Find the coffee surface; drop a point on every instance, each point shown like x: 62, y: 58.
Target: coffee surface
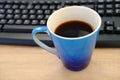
x: 73, y: 29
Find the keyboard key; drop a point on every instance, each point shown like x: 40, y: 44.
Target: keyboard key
x: 117, y: 6
x: 40, y: 16
x: 24, y: 16
x: 91, y: 2
x: 56, y: 2
x: 90, y: 6
x: 8, y: 6
x: 30, y: 6
x: 59, y: 6
x: 109, y: 23
x: 101, y: 12
x: 25, y: 11
x: 52, y: 7
x: 18, y: 21
x: 2, y: 2
x: 39, y: 11
x: 68, y: 2
x: 44, y: 7
x: 109, y: 29
x: 9, y: 11
x: 100, y: 6
x: 22, y: 6
x: 1, y: 6
x: 24, y: 2
x: 75, y: 2
x: 17, y: 16
x: 47, y: 12
x: 15, y: 6
x: 17, y: 2
x: 35, y: 2
x: 100, y: 1
x: 9, y: 16
x: 37, y: 7
x: 109, y: 1
x: 26, y: 22
x: 49, y: 2
x: 42, y: 2
x: 3, y: 21
x: 32, y: 11
x: 117, y: 1
x: 118, y: 29
x: 35, y: 22
x: 32, y: 16
x: 11, y: 21
x: 2, y: 11
x: 117, y: 12
x: 83, y: 1
x: 2, y: 16
x: 109, y: 12
x: 9, y: 2
x: 18, y: 28
x: 109, y: 6
x: 46, y: 16
x: 42, y: 22
x: 17, y: 11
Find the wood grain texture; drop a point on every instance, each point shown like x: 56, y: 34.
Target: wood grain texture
x: 34, y: 63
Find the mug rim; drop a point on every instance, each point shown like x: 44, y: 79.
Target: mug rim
x: 81, y: 37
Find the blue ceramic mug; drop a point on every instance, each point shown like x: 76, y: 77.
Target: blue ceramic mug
x: 75, y: 53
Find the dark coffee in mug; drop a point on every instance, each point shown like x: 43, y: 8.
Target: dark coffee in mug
x: 73, y: 29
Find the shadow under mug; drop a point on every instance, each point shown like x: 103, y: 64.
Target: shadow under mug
x: 75, y: 53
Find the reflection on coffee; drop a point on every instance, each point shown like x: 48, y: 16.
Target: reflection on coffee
x: 73, y: 29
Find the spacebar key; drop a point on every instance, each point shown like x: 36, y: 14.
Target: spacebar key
x: 19, y: 28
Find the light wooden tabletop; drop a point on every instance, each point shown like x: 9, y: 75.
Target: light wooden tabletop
x: 34, y: 63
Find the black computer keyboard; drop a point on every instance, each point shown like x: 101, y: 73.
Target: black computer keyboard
x: 18, y: 18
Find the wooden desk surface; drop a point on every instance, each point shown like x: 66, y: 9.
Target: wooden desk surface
x: 34, y: 63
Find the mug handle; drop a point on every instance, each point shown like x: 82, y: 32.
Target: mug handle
x: 42, y: 29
